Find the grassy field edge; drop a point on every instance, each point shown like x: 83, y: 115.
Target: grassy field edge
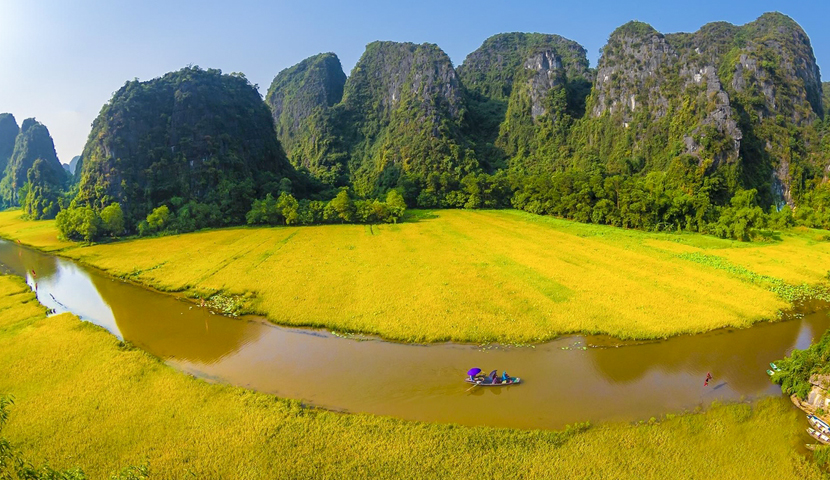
x: 85, y: 400
x: 586, y: 279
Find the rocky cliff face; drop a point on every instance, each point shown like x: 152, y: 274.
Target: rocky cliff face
x: 491, y: 69
x: 31, y: 145
x: 404, y: 106
x: 299, y: 99
x: 659, y: 86
x: 73, y: 164
x: 520, y: 87
x: 400, y: 113
x: 390, y: 75
x: 8, y: 134
x: 192, y: 135
x: 740, y: 102
x: 714, y: 94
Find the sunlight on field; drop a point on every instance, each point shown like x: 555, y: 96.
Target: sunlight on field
x: 476, y: 276
x: 82, y: 399
x: 41, y: 234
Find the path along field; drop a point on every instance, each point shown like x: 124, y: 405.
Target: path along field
x: 84, y: 400
x: 476, y: 276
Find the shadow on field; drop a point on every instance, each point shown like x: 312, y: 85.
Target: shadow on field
x: 415, y: 216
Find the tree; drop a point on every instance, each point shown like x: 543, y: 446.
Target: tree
x: 288, y: 208
x: 158, y: 220
x: 112, y: 219
x: 343, y: 206
x: 396, y: 204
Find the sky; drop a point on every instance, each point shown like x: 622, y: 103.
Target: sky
x: 61, y: 61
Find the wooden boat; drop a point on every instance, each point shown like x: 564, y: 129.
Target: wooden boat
x: 485, y: 382
x: 819, y: 424
x: 819, y: 436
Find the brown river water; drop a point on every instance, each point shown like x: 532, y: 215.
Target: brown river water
x: 609, y: 380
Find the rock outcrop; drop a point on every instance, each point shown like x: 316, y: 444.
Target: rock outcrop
x: 190, y: 136
x: 666, y: 86
x: 715, y: 94
x: 8, y: 134
x: 401, y: 112
x: 818, y: 398
x: 520, y: 87
x: 404, y: 109
x: 31, y: 145
x: 299, y: 99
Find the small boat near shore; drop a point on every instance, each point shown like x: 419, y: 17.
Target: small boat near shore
x: 819, y: 424
x: 819, y: 436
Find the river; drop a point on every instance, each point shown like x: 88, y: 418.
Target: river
x: 572, y: 379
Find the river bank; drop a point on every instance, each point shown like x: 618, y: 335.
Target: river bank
x: 476, y: 277
x: 83, y: 399
x: 368, y: 375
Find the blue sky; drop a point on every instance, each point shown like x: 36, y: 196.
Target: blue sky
x: 60, y: 61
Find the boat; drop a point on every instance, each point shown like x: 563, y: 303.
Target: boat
x: 819, y: 436
x: 491, y: 380
x: 819, y: 424
x: 486, y: 382
x: 770, y: 373
x: 774, y: 367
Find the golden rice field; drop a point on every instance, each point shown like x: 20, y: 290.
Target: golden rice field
x: 478, y: 276
x: 83, y: 400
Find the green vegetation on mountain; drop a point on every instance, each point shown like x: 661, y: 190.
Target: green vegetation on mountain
x: 742, y: 101
x: 198, y: 141
x: 719, y: 131
x: 523, y: 92
x: 8, y: 133
x: 33, y: 177
x: 403, y: 111
x: 299, y: 98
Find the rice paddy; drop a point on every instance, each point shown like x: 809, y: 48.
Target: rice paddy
x: 82, y: 399
x: 470, y: 276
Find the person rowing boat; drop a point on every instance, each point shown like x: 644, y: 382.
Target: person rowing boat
x: 475, y: 377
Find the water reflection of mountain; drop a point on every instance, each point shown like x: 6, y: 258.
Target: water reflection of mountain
x: 158, y: 323
x: 738, y: 357
x: 22, y: 261
x: 167, y: 327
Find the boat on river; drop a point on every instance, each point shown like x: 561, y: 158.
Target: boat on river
x: 491, y: 380
x: 486, y: 382
x: 819, y: 436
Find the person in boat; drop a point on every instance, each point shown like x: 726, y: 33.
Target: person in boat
x: 492, y: 377
x: 505, y: 378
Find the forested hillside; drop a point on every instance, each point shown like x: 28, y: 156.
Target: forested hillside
x: 32, y: 174
x: 197, y: 141
x: 719, y: 131
x: 299, y: 98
